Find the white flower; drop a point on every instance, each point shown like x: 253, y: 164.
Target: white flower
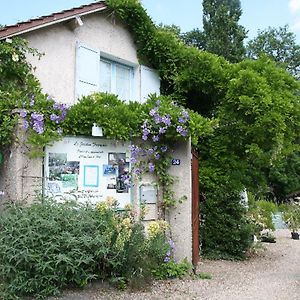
x: 15, y: 57
x: 8, y: 40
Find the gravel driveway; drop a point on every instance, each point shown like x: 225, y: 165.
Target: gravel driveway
x: 274, y: 273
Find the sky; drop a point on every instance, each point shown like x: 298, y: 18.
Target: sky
x: 187, y: 14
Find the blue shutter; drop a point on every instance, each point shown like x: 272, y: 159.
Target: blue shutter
x: 150, y: 83
x: 87, y: 70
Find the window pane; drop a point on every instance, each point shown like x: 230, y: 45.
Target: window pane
x: 123, y: 82
x: 105, y: 76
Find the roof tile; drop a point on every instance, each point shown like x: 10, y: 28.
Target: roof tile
x: 21, y: 27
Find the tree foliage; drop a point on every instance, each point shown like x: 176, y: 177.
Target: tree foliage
x: 194, y: 38
x: 278, y: 44
x: 254, y: 106
x: 16, y: 84
x: 221, y: 35
x: 259, y: 118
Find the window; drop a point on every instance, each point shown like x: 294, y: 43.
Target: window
x: 95, y: 73
x: 116, y: 78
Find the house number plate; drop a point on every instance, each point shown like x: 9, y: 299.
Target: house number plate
x: 175, y: 162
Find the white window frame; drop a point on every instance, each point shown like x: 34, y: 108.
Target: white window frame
x: 113, y: 76
x: 99, y: 56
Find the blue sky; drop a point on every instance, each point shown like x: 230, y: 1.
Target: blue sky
x: 257, y: 14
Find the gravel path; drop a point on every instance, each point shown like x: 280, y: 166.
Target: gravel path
x: 274, y: 273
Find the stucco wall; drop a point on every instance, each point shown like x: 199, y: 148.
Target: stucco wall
x: 21, y: 176
x: 56, y: 68
x: 180, y: 217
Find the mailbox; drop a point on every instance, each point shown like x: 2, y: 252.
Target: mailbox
x: 148, y: 194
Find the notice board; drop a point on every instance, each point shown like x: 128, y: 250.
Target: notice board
x: 87, y: 169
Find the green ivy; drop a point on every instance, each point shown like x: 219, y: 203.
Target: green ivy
x: 20, y: 92
x: 125, y: 121
x: 118, y: 119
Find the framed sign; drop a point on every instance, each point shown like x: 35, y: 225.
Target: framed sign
x: 88, y: 168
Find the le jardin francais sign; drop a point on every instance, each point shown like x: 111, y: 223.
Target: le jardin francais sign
x: 87, y: 169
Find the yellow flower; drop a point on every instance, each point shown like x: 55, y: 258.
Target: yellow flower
x: 156, y: 227
x: 126, y: 223
x: 128, y: 206
x: 111, y: 201
x: 102, y: 207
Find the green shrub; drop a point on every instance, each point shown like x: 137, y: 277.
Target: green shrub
x: 226, y: 234
x: 49, y: 245
x: 172, y: 269
x: 291, y: 215
x: 260, y: 214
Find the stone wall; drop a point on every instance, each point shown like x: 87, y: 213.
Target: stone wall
x: 21, y: 179
x: 20, y: 175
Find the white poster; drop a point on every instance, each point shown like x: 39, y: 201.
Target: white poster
x: 87, y: 169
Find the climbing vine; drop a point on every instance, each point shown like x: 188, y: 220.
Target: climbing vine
x: 255, y: 107
x: 253, y: 111
x: 21, y: 99
x: 153, y: 128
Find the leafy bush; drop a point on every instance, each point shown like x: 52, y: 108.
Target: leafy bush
x: 172, y: 269
x: 226, y: 234
x: 260, y: 214
x: 49, y: 245
x: 291, y: 215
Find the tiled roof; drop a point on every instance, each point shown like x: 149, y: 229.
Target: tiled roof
x: 32, y: 24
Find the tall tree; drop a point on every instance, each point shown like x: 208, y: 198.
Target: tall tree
x: 280, y: 45
x: 194, y: 38
x: 222, y: 33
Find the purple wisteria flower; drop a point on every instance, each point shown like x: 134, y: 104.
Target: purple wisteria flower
x: 151, y: 167
x: 150, y: 151
x: 23, y: 113
x: 37, y: 117
x: 146, y: 131
x: 25, y: 124
x: 166, y: 120
x: 138, y: 171
x: 155, y: 138
x: 168, y: 256
x: 38, y: 126
x: 153, y: 112
x: 157, y: 118
x: 182, y: 131
x: 185, y: 114
x: 54, y: 118
x: 172, y: 244
x: 162, y: 130
x: 63, y: 109
x: 135, y: 150
x: 164, y: 149
x: 126, y: 178
x: 181, y: 120
x: 157, y: 156
x: 133, y: 160
x: 167, y: 259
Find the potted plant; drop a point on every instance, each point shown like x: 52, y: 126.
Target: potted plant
x: 291, y: 215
